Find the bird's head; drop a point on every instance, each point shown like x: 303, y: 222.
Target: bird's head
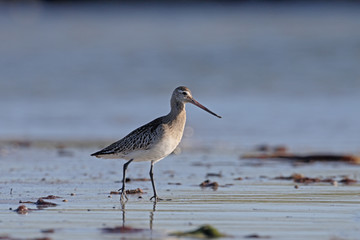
x: 183, y: 94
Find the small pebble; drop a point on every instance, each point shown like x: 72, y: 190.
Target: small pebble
x: 22, y: 209
x: 72, y: 194
x: 65, y: 200
x: 296, y: 186
x: 48, y: 230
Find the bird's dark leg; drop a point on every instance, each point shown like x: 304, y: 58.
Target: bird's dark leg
x: 122, y: 189
x: 155, y: 197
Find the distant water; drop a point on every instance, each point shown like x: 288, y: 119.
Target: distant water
x: 278, y: 74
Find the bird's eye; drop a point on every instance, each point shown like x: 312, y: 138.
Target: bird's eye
x: 184, y: 93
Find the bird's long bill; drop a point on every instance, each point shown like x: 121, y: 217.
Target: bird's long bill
x: 193, y: 101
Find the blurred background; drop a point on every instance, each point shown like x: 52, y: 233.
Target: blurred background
x: 279, y: 72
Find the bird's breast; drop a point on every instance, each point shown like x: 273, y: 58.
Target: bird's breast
x: 168, y: 137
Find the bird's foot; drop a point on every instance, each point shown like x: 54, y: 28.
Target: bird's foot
x: 156, y: 199
x: 123, y: 197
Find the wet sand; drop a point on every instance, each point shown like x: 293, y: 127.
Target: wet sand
x: 256, y: 206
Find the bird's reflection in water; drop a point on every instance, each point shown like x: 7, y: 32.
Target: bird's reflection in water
x: 152, y: 216
x: 123, y: 213
x: 151, y: 219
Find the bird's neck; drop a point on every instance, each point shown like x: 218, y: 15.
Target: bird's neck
x: 177, y: 109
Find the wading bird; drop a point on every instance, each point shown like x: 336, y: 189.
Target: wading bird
x: 155, y: 140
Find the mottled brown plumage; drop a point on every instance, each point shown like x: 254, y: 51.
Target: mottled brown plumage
x: 140, y: 139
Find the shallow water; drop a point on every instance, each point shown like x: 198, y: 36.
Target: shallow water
x: 258, y: 204
x: 278, y: 74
